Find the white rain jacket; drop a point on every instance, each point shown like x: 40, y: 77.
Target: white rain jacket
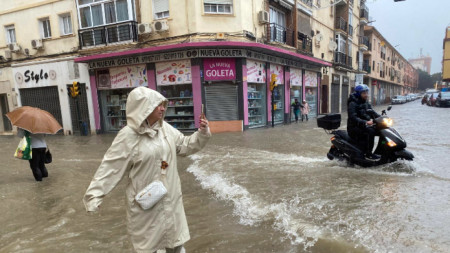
x: 137, y: 152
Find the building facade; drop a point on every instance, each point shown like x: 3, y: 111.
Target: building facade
x: 38, y: 48
x: 423, y: 63
x: 446, y: 57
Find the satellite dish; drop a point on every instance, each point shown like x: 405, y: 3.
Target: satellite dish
x: 333, y: 46
x: 319, y: 37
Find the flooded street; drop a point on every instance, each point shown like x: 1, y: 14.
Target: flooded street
x: 263, y: 190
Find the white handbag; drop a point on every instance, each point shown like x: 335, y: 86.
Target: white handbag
x: 151, y: 194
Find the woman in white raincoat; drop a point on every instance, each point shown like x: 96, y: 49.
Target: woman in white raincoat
x: 138, y: 151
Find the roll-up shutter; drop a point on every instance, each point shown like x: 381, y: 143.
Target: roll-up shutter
x: 344, y: 98
x: 45, y: 98
x: 160, y: 6
x: 222, y: 102
x: 218, y: 1
x: 335, y: 98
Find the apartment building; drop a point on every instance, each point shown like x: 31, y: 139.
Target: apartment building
x: 387, y: 72
x: 446, y: 57
x: 219, y: 53
x: 38, y: 44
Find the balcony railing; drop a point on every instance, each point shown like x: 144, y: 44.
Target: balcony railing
x: 364, y: 40
x: 304, y: 44
x: 280, y: 34
x: 341, y: 24
x: 307, y: 2
x: 340, y: 58
x: 108, y: 34
x: 364, y: 14
x: 367, y: 68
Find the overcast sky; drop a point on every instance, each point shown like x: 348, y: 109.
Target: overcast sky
x: 413, y: 24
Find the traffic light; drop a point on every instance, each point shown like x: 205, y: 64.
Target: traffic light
x: 273, y: 82
x: 75, y: 89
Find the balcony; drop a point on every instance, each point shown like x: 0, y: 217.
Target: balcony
x: 307, y: 2
x: 364, y: 15
x: 108, y: 34
x: 280, y: 34
x: 366, y: 67
x: 304, y: 44
x: 364, y: 43
x: 341, y: 24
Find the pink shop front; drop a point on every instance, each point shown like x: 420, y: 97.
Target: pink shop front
x: 232, y: 84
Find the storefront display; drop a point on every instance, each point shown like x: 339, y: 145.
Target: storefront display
x: 175, y: 83
x: 278, y: 93
x: 256, y: 93
x: 311, y: 92
x: 113, y: 86
x: 296, y: 81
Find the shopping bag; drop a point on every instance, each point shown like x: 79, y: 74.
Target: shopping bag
x: 23, y: 151
x: 48, y: 156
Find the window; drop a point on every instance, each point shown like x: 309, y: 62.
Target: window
x: 46, y: 31
x: 97, y: 13
x: 65, y: 23
x: 218, y: 6
x: 340, y: 41
x: 277, y: 25
x: 10, y: 34
x: 161, y: 9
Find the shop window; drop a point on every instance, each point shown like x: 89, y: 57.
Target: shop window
x: 10, y: 34
x: 256, y: 97
x: 113, y: 104
x: 161, y: 9
x: 218, y: 6
x: 65, y: 24
x: 180, y: 110
x: 46, y: 31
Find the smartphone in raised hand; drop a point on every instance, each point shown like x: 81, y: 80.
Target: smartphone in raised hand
x: 203, y: 112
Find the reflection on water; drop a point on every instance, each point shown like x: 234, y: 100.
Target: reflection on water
x: 264, y: 190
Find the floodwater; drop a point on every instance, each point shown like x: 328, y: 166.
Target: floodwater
x: 264, y: 190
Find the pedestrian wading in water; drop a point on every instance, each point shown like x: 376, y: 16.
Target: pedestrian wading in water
x: 38, y: 148
x: 143, y: 152
x: 305, y: 110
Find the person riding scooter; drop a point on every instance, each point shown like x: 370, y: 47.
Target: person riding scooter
x: 360, y: 119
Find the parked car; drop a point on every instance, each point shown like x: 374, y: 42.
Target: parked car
x: 398, y: 100
x: 408, y: 98
x: 443, y: 99
x: 432, y: 99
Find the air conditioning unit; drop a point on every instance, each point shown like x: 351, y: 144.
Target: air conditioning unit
x: 145, y: 28
x: 8, y: 54
x: 36, y: 44
x: 161, y: 26
x: 263, y: 17
x: 14, y: 47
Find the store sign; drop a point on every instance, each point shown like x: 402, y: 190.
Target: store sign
x: 219, y: 69
x: 256, y: 72
x: 127, y: 77
x: 310, y: 79
x: 345, y: 80
x: 196, y: 53
x: 296, y: 77
x: 336, y: 79
x: 277, y: 70
x: 173, y: 72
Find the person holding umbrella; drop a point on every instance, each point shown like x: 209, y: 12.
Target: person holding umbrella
x: 35, y: 123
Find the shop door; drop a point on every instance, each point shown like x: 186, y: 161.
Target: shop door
x: 45, y: 98
x: 335, y: 98
x: 221, y: 102
x: 324, y: 108
x: 4, y: 110
x: 83, y: 107
x: 344, y: 97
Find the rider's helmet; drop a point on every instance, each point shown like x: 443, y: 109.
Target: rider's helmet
x: 360, y: 88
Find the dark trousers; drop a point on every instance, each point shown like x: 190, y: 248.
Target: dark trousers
x: 296, y: 115
x: 306, y: 116
x: 37, y: 164
x: 365, y: 139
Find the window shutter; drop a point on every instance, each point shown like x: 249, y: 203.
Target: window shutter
x: 160, y: 6
x: 218, y: 1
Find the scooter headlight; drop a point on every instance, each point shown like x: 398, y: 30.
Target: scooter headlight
x: 388, y: 122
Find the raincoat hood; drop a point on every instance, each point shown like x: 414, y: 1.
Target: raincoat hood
x: 140, y: 104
